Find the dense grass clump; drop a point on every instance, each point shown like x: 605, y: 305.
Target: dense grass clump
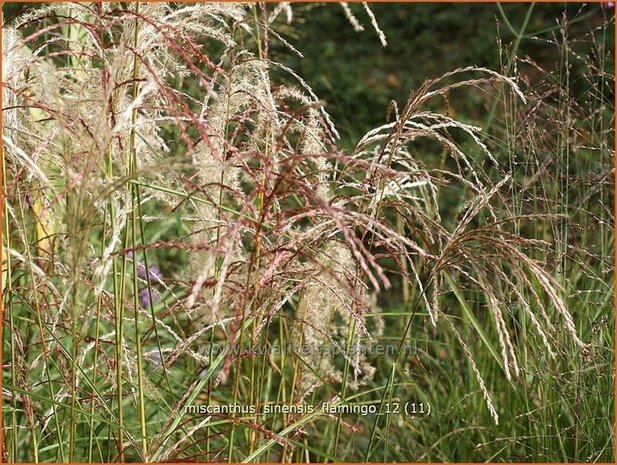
x: 194, y: 268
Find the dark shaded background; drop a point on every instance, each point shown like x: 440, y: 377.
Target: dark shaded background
x: 357, y: 77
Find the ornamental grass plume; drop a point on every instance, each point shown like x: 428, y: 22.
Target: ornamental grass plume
x: 135, y: 131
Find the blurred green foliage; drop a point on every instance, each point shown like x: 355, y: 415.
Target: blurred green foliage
x: 357, y: 77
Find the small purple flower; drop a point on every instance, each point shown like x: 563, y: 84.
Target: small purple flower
x: 610, y: 4
x: 144, y: 297
x: 153, y: 271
